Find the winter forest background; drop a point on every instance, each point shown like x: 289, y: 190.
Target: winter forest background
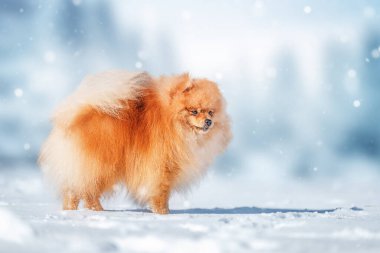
x: 301, y: 78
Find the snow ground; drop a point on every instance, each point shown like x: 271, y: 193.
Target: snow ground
x: 31, y: 221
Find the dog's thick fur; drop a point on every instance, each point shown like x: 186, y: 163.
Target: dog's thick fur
x: 138, y: 130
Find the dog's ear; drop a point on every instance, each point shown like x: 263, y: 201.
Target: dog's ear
x: 187, y: 82
x: 181, y: 84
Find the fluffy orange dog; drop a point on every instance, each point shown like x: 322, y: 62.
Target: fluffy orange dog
x: 155, y: 135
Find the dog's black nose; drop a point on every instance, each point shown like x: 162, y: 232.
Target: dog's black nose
x: 208, y: 122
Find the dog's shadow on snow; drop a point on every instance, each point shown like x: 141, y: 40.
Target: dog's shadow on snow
x: 239, y: 210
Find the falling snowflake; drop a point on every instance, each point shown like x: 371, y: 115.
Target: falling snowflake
x: 258, y: 9
x: 375, y: 53
x: 307, y: 9
x: 356, y: 103
x: 351, y: 73
x: 77, y: 2
x: 18, y: 92
x: 26, y: 146
x: 138, y: 65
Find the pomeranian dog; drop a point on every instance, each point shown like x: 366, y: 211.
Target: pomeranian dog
x: 154, y: 135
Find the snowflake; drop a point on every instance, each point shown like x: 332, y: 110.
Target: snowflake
x: 375, y: 53
x: 351, y: 73
x: 77, y: 2
x: 18, y: 92
x: 26, y: 146
x: 356, y: 103
x: 138, y: 65
x: 307, y: 9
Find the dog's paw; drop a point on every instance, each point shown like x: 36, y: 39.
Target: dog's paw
x: 95, y: 208
x: 160, y: 210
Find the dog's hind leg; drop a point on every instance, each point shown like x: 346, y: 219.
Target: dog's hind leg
x: 70, y: 200
x: 91, y: 201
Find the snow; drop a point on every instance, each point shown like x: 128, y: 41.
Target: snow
x: 77, y: 2
x: 307, y: 9
x: 138, y: 65
x: 356, y: 103
x: 351, y: 73
x: 31, y: 220
x: 18, y: 92
x: 375, y: 53
x: 301, y: 82
x: 12, y: 228
x: 26, y: 146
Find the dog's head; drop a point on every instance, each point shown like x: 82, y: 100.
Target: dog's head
x: 197, y: 103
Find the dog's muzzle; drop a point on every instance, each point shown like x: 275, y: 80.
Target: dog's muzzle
x: 207, y: 125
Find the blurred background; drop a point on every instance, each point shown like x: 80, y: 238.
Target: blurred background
x: 301, y: 77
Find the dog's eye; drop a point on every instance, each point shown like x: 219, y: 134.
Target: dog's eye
x: 211, y: 113
x: 194, y: 112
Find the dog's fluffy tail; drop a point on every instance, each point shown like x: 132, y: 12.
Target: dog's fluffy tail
x: 104, y: 91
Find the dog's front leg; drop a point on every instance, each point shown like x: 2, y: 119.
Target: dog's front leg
x: 160, y: 200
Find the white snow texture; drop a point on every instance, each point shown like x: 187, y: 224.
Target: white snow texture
x: 31, y: 220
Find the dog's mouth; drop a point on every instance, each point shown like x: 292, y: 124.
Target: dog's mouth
x: 203, y: 129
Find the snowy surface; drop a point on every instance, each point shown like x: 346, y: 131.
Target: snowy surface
x: 31, y: 219
x: 301, y: 79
